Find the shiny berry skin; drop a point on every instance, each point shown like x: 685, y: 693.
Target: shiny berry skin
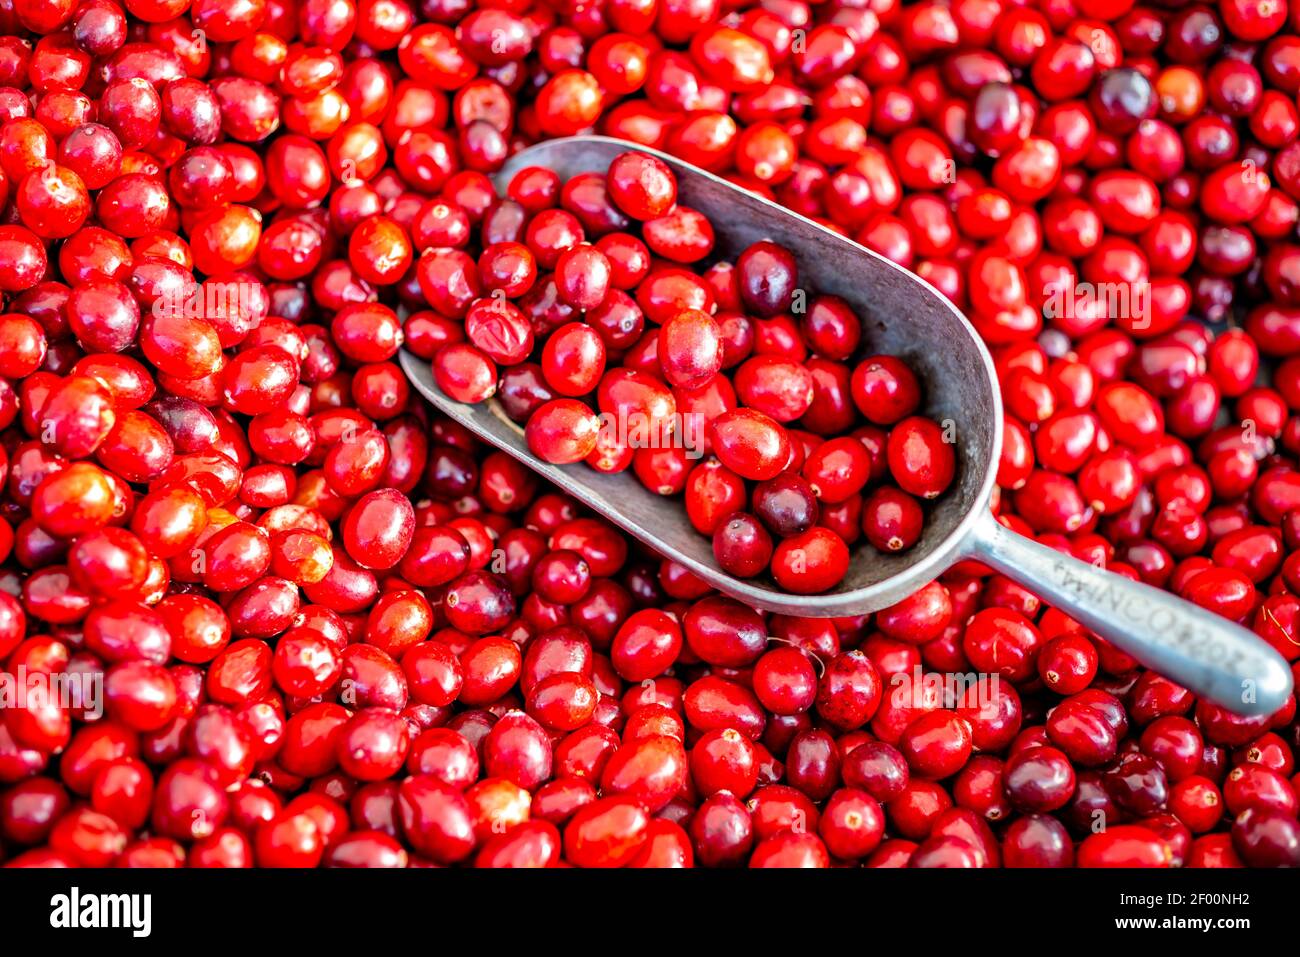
x: 742, y: 546
x: 606, y: 833
x: 850, y: 690
x: 749, y: 443
x: 379, y: 529
x: 1039, y: 779
x: 1124, y: 845
x: 573, y: 358
x: 562, y: 431
x: 767, y: 275
x: 1067, y: 663
x: 646, y: 644
x: 892, y: 521
x: 436, y: 819
x: 690, y: 348
x: 787, y: 505
x: 885, y: 390
x: 810, y: 562
x: 641, y: 185
x: 724, y: 760
x: 937, y: 744
x: 569, y: 103
x: 785, y: 681
x: 921, y: 458
x: 1266, y: 838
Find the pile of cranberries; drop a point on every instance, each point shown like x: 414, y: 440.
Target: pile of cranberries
x: 258, y: 606
x: 658, y: 399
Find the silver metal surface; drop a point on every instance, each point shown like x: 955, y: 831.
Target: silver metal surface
x: 1200, y: 650
x: 905, y: 316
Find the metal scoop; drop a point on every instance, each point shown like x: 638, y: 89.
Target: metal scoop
x: 904, y: 316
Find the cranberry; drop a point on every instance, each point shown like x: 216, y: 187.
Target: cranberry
x: 885, y: 390
x: 1266, y: 838
x: 937, y: 744
x: 562, y: 431
x: 1124, y: 845
x: 810, y: 562
x: 742, y: 546
x: 353, y: 589
x: 921, y: 458
x: 573, y: 359
x: 1039, y: 779
x: 1067, y: 663
x: 641, y: 185
x: 436, y: 819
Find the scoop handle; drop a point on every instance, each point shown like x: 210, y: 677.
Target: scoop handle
x: 1201, y: 651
